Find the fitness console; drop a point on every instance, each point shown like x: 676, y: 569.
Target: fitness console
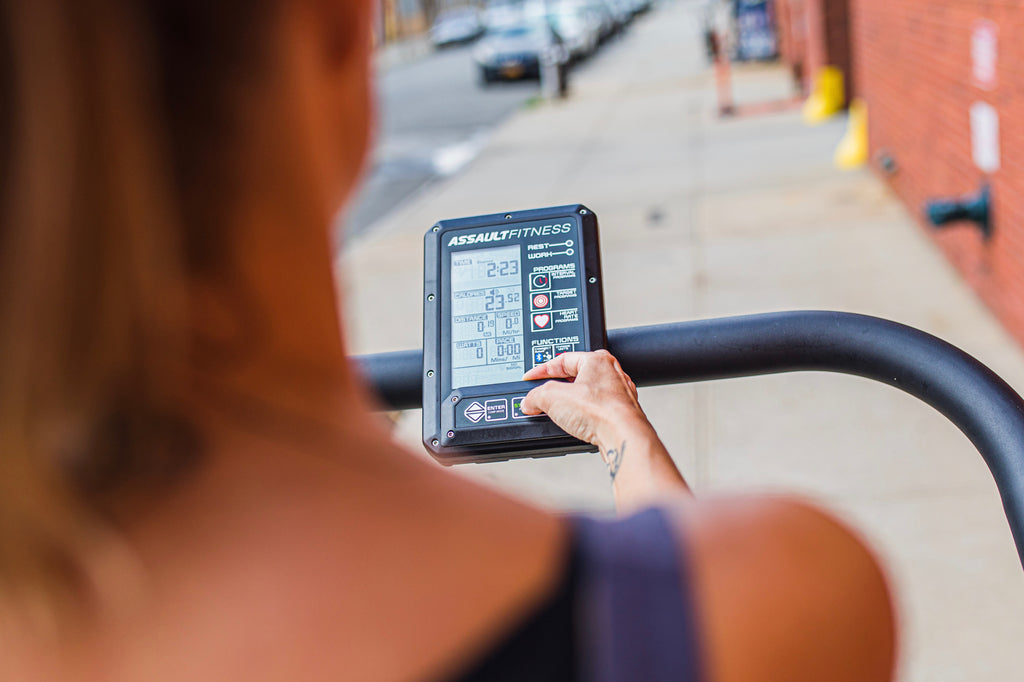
x: 503, y: 293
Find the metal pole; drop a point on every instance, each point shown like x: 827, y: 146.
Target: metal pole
x: 981, y: 404
x: 723, y: 74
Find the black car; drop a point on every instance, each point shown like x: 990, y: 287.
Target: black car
x: 514, y: 51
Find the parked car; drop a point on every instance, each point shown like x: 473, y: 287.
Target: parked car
x: 456, y: 26
x: 620, y: 12
x: 578, y: 29
x: 575, y: 23
x: 502, y: 13
x: 641, y: 6
x: 605, y: 21
x: 513, y: 51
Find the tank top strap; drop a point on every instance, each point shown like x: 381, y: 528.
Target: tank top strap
x: 637, y: 618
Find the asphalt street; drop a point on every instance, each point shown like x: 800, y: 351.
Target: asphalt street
x: 434, y: 117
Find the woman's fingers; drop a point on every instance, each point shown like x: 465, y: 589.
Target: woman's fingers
x: 564, y: 366
x: 538, y: 372
x: 541, y: 399
x: 593, y: 397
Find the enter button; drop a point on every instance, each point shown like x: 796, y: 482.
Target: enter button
x: 497, y: 410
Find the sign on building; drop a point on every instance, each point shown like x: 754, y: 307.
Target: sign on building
x: 755, y: 30
x: 985, y: 54
x: 985, y: 137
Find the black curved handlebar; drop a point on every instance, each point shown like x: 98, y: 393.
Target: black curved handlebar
x: 968, y: 393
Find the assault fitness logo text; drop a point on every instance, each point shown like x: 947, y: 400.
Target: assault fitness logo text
x: 514, y: 233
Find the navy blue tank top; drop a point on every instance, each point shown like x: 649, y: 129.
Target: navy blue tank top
x: 622, y: 612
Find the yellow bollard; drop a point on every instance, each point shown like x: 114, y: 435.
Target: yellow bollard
x: 852, y: 151
x: 827, y: 98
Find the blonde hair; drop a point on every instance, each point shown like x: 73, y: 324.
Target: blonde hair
x: 100, y: 224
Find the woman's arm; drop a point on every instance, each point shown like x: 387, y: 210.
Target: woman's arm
x: 600, y: 406
x: 783, y: 591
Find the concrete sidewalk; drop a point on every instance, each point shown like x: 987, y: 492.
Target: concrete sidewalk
x: 702, y: 217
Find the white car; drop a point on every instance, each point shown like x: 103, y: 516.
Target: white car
x: 578, y: 29
x: 456, y: 26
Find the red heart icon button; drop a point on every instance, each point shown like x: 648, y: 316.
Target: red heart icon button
x: 541, y: 321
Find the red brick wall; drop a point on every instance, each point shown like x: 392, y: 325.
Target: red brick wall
x: 913, y: 66
x: 837, y: 40
x: 789, y: 20
x: 813, y: 34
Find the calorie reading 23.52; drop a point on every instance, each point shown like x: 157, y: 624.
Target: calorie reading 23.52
x: 495, y: 301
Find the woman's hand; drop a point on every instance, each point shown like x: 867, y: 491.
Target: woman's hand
x: 598, y: 404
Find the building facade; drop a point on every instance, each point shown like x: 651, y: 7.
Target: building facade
x: 944, y: 85
x: 944, y: 82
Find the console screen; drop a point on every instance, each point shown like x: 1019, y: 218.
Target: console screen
x: 487, y: 316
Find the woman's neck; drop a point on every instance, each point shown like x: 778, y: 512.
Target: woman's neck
x: 267, y: 327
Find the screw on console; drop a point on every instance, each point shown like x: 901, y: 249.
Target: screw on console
x: 451, y: 434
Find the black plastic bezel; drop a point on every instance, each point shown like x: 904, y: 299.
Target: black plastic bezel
x: 533, y: 438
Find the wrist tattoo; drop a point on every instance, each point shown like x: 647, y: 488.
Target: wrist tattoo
x: 613, y: 458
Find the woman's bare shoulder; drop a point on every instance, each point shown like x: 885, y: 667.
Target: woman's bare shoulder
x: 304, y: 570
x: 785, y: 591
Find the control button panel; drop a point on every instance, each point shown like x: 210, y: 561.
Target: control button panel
x: 492, y: 411
x: 546, y: 352
x: 556, y: 321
